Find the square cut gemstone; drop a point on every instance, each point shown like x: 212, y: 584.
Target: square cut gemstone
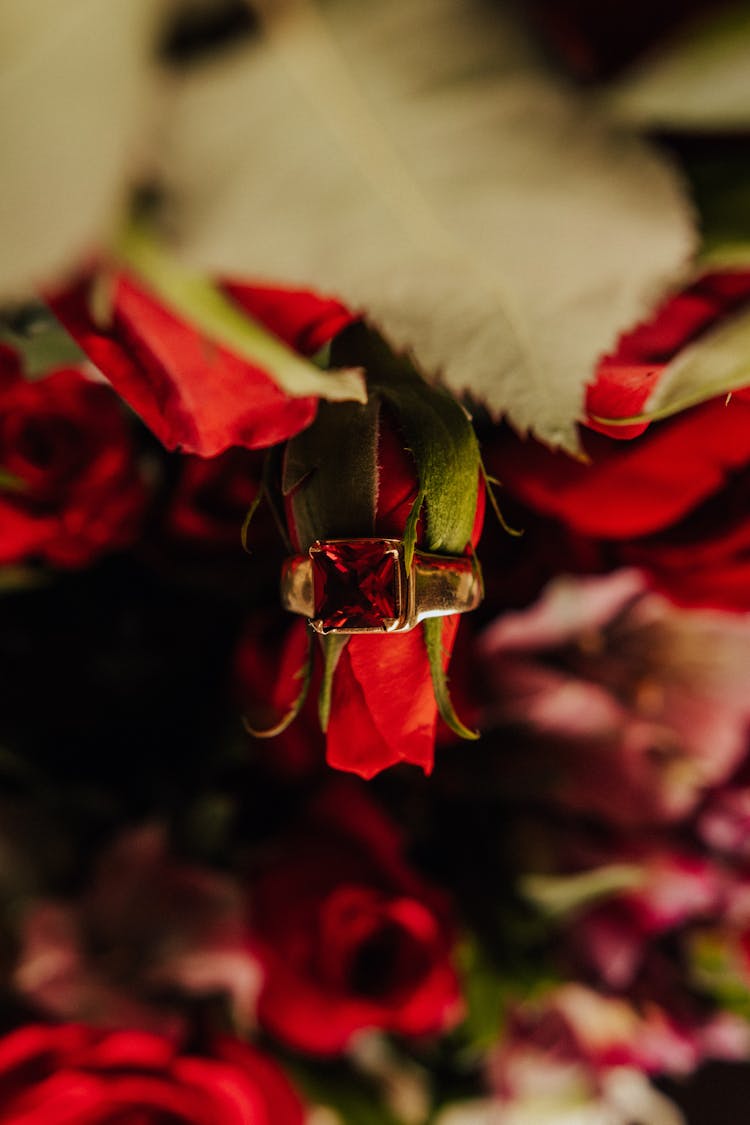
x: 355, y: 584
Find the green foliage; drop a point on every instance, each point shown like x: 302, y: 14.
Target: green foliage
x: 304, y: 674
x: 333, y: 646
x: 437, y: 431
x: 331, y: 472
x: 720, y: 182
x: 354, y: 1098
x: 433, y: 638
x: 39, y: 339
x: 716, y: 968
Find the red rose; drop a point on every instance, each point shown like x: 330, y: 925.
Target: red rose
x: 350, y: 937
x: 191, y: 392
x: 65, y: 444
x: 673, y: 499
x: 76, y: 1075
x: 212, y: 497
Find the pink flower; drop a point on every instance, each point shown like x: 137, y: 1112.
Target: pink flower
x: 635, y: 707
x: 146, y: 931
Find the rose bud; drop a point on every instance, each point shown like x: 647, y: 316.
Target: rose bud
x: 349, y: 936
x: 403, y: 469
x: 69, y: 489
x: 74, y: 1075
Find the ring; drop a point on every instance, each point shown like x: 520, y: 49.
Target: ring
x: 364, y: 586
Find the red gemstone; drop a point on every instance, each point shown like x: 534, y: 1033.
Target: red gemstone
x: 355, y: 584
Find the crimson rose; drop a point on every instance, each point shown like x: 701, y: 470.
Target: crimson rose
x: 71, y: 492
x: 75, y: 1075
x: 671, y: 500
x: 349, y: 935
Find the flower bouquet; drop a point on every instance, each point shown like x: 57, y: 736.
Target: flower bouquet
x: 374, y: 563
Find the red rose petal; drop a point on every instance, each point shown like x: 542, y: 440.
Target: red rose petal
x: 302, y: 319
x: 193, y: 394
x: 636, y: 488
x: 625, y: 379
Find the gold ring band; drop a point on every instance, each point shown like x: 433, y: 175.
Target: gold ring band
x: 364, y: 586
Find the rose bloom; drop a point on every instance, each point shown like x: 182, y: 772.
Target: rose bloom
x: 672, y: 498
x: 73, y: 492
x: 349, y: 936
x: 75, y: 1075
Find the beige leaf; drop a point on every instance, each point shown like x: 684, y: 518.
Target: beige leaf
x: 73, y: 77
x: 701, y: 80
x: 408, y: 157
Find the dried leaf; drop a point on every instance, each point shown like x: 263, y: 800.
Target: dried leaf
x: 407, y: 156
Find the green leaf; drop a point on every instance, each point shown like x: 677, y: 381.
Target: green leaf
x: 331, y: 470
x: 373, y: 150
x: 433, y: 637
x: 355, y: 1100
x: 40, y: 340
x: 716, y: 966
x: 16, y: 578
x: 485, y: 993
x: 244, y: 530
x: 560, y: 895
x: 490, y: 988
x: 717, y: 363
x: 194, y: 297
x: 410, y: 530
x: 9, y: 482
x: 272, y: 474
x: 437, y: 430
x: 488, y: 484
x: 720, y: 183
x: 332, y: 645
x: 698, y: 80
x: 304, y: 674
